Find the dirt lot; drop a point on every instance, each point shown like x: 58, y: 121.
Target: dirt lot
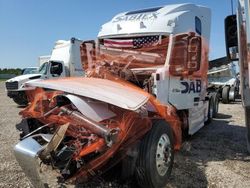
x: 214, y: 157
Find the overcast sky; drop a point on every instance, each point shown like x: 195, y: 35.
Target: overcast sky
x: 29, y: 28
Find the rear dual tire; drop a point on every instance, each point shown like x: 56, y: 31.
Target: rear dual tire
x: 225, y: 94
x: 216, y: 101
x: 228, y: 94
x: 213, y: 107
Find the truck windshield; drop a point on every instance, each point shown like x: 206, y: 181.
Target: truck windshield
x: 43, y: 68
x: 31, y: 70
x: 127, y: 53
x: 138, y: 52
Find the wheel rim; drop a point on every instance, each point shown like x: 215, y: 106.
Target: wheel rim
x: 232, y: 95
x: 163, y: 154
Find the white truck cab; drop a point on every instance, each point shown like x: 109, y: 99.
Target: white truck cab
x: 64, y: 61
x: 181, y: 79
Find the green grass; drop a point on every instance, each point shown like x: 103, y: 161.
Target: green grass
x: 3, y: 79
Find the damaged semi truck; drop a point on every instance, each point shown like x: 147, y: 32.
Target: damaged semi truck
x: 145, y: 87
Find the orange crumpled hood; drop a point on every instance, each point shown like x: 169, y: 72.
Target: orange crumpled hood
x: 112, y: 92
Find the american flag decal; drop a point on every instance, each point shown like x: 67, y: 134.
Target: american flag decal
x: 138, y: 42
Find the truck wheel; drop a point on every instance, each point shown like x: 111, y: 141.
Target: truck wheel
x: 210, y: 110
x: 232, y: 94
x: 225, y: 94
x: 216, y: 100
x: 21, y: 99
x: 156, y: 156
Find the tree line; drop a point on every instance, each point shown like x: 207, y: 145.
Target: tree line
x: 11, y: 71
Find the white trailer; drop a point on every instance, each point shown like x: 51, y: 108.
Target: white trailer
x: 64, y: 61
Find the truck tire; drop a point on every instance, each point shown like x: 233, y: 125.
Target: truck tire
x: 216, y: 101
x: 225, y: 94
x: 210, y: 110
x: 232, y: 94
x: 21, y: 99
x: 156, y: 156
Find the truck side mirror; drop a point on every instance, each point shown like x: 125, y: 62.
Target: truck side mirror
x: 231, y: 37
x: 56, y: 68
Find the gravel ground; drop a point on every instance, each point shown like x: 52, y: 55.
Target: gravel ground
x: 214, y: 157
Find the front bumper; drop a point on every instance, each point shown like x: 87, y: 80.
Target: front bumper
x: 12, y: 94
x: 26, y: 153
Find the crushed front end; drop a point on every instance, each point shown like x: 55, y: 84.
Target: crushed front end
x: 75, y: 136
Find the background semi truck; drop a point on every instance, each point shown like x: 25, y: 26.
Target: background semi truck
x: 146, y: 86
x: 64, y: 61
x: 224, y: 77
x: 237, y: 34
